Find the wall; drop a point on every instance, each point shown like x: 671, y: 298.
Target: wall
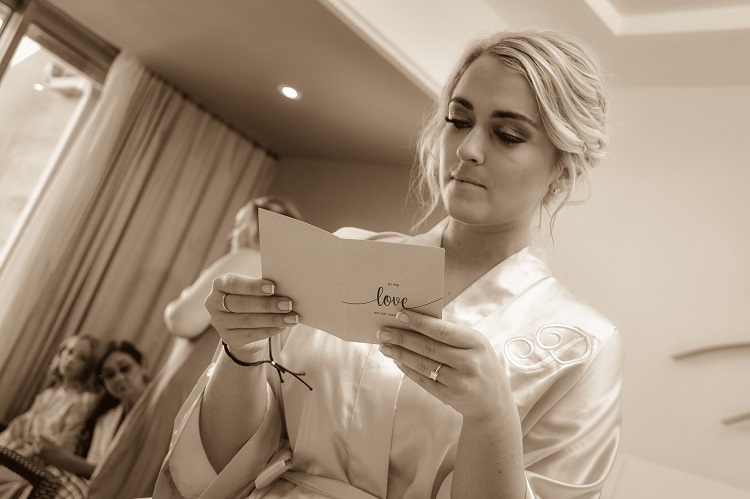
x: 332, y: 195
x: 662, y: 249
x: 636, y: 478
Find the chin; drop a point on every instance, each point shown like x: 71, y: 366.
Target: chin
x: 468, y: 213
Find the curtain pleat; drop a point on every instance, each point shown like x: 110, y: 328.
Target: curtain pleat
x: 142, y: 202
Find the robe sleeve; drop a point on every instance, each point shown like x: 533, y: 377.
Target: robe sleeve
x: 188, y: 473
x: 572, y: 447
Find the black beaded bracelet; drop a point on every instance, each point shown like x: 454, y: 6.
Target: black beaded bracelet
x: 279, y: 368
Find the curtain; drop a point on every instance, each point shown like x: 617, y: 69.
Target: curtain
x: 140, y: 204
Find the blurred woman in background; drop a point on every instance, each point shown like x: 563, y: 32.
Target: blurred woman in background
x: 122, y: 374
x: 58, y: 414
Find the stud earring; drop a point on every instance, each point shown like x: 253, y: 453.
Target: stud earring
x: 554, y: 191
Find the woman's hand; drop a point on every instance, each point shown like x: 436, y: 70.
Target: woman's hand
x: 470, y: 377
x: 50, y: 452
x: 245, y: 311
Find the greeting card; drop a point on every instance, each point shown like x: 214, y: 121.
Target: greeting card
x: 348, y: 287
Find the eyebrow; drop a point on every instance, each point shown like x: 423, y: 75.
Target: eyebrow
x: 497, y: 114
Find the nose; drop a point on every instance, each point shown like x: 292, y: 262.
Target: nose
x: 472, y: 148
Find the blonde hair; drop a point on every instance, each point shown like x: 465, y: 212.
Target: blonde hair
x: 568, y: 84
x: 54, y: 376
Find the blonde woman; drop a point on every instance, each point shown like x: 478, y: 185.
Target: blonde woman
x: 58, y: 414
x: 514, y: 393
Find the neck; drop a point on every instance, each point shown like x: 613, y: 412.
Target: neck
x: 128, y: 403
x: 471, y: 251
x: 71, y: 384
x: 481, y: 248
x: 126, y: 406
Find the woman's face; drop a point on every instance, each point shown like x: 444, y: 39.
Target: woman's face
x: 123, y: 377
x: 74, y: 359
x: 497, y: 161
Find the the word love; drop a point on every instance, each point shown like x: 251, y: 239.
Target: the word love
x: 384, y: 300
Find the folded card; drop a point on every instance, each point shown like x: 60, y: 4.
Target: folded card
x: 348, y: 287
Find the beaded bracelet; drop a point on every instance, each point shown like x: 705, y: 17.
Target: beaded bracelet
x: 279, y: 368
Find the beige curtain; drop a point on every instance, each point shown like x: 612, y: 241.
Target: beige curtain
x: 141, y: 203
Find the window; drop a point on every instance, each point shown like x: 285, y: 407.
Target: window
x: 41, y: 98
x: 46, y: 93
x: 4, y: 15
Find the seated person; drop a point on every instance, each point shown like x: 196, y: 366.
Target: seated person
x: 58, y: 414
x: 121, y: 371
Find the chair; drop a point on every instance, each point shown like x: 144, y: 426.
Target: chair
x: 44, y: 484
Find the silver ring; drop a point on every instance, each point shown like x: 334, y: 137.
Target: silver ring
x: 434, y: 374
x: 224, y: 304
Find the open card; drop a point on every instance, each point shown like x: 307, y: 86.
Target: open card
x: 348, y: 287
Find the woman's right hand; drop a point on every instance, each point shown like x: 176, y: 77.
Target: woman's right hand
x: 245, y: 311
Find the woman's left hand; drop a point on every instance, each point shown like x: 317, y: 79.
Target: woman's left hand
x: 50, y: 452
x: 470, y: 377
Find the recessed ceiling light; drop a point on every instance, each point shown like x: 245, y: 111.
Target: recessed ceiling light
x: 289, y: 92
x: 38, y: 87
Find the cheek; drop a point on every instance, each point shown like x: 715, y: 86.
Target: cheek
x: 138, y: 378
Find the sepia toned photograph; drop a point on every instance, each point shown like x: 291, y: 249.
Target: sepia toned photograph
x: 374, y: 249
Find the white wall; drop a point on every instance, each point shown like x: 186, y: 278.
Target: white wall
x: 636, y: 478
x: 662, y: 248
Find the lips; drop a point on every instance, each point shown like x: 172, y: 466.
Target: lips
x: 467, y: 179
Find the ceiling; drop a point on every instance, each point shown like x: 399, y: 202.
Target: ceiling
x: 232, y: 54
x: 367, y: 69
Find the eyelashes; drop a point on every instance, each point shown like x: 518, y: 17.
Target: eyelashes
x: 456, y: 123
x: 505, y: 137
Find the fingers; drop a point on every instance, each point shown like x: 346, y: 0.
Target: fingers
x: 243, y: 304
x: 437, y: 387
x: 437, y: 329
x: 229, y: 321
x: 419, y: 365
x: 417, y: 343
x: 239, y: 294
x: 239, y: 284
x: 244, y: 309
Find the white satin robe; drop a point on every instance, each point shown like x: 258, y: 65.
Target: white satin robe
x: 367, y: 431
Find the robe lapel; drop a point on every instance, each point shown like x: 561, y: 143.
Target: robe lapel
x: 372, y: 424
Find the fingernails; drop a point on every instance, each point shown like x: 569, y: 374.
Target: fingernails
x: 291, y: 318
x: 386, y: 350
x: 384, y: 335
x: 402, y: 317
x: 267, y: 288
x: 285, y: 305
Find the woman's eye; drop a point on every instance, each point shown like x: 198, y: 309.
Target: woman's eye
x: 509, y: 138
x: 457, y: 123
